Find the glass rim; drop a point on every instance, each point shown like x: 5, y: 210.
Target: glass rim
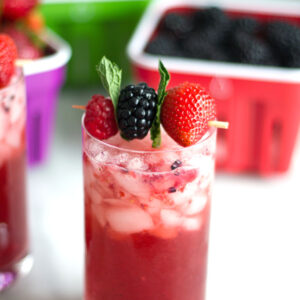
x: 205, y: 138
x: 19, y: 77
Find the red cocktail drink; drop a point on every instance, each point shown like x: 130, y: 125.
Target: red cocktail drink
x: 13, y: 222
x: 146, y: 218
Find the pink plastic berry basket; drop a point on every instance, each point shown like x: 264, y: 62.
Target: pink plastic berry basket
x: 44, y: 78
x: 262, y: 104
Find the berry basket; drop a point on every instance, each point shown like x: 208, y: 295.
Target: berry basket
x: 262, y: 103
x: 44, y: 78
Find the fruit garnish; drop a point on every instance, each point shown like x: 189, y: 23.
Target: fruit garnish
x: 99, y: 117
x: 186, y: 112
x: 15, y: 9
x: 136, y: 110
x: 8, y: 56
x: 135, y: 105
x: 29, y: 45
x: 155, y: 129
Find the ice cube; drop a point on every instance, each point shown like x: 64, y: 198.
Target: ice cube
x: 16, y: 110
x: 204, y: 163
x: 190, y: 190
x: 13, y: 137
x: 128, y: 220
x: 88, y: 171
x: 192, y: 223
x: 137, y: 164
x: 170, y: 217
x: 121, y: 159
x: 131, y: 182
x: 99, y: 213
x: 152, y: 205
x: 160, y: 161
x: 102, y: 156
x: 118, y: 202
x: 94, y: 194
x: 196, y: 205
x: 93, y: 148
x: 4, y: 121
x: 162, y: 182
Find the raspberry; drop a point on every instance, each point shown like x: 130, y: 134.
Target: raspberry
x: 185, y: 113
x: 164, y: 44
x: 15, y: 9
x: 8, y: 55
x: 99, y: 118
x: 285, y: 39
x: 178, y: 24
x: 27, y: 49
x: 136, y: 110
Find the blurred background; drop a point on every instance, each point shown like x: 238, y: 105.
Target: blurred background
x: 255, y: 229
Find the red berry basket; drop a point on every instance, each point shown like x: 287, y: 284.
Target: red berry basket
x: 262, y: 103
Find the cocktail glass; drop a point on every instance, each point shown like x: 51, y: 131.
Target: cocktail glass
x: 14, y: 258
x: 146, y: 218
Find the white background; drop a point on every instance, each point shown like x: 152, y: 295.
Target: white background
x: 255, y: 230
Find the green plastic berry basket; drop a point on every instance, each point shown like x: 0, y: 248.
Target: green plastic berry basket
x: 94, y: 29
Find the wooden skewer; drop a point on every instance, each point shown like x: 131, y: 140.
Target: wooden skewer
x: 213, y: 123
x: 218, y: 124
x: 82, y: 107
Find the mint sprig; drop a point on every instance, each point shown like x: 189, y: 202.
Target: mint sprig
x: 111, y: 77
x: 155, y: 128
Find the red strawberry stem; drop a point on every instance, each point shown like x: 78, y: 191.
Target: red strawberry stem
x: 82, y: 107
x: 218, y: 124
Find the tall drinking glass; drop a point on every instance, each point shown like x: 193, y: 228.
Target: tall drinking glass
x: 13, y: 217
x: 146, y: 218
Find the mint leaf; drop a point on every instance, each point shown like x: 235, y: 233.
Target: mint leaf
x: 111, y: 76
x: 155, y: 128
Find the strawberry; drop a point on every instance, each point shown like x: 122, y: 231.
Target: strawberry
x: 8, y: 55
x: 16, y: 9
x: 27, y: 48
x: 99, y: 118
x: 185, y: 113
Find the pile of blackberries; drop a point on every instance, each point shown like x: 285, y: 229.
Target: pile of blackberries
x: 211, y: 34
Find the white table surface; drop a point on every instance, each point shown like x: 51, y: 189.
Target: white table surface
x: 255, y: 230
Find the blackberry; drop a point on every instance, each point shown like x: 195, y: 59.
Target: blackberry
x: 251, y: 50
x: 285, y: 39
x: 197, y: 46
x: 177, y: 24
x: 246, y: 24
x: 211, y: 34
x: 136, y: 110
x: 163, y: 44
x: 211, y: 16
